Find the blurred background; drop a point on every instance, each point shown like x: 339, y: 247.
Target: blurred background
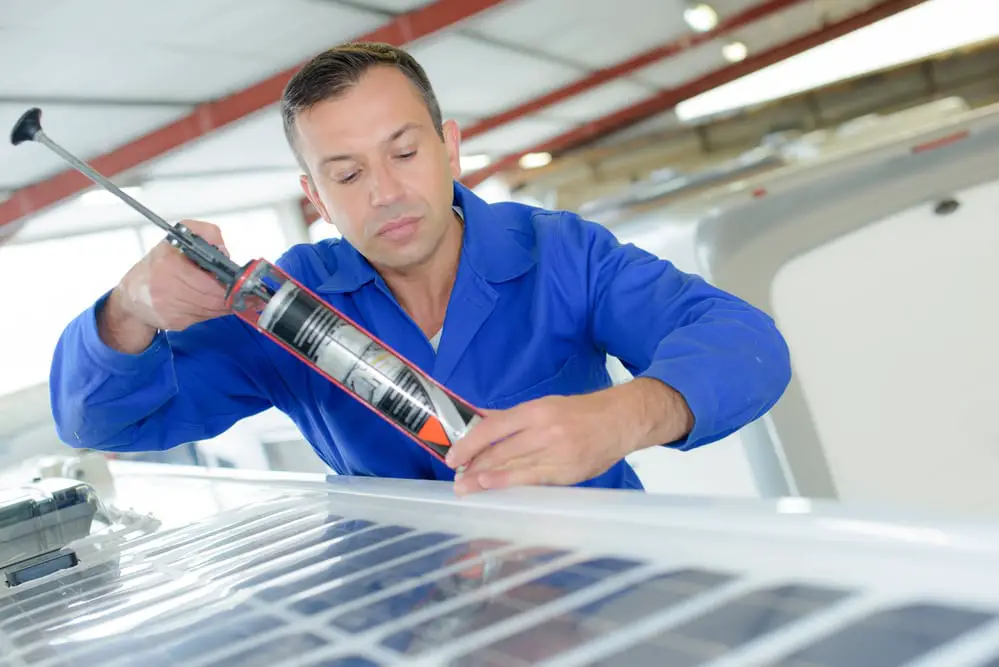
x: 831, y: 161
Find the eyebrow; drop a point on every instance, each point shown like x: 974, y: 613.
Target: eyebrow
x: 392, y: 137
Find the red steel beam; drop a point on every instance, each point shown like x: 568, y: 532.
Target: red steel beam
x: 668, y: 99
x: 687, y: 42
x: 211, y: 116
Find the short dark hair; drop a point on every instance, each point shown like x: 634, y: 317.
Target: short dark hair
x: 336, y: 70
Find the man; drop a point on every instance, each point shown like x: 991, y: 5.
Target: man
x: 513, y: 308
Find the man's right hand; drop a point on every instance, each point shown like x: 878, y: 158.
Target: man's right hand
x: 165, y: 290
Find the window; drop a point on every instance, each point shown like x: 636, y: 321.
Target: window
x: 48, y: 283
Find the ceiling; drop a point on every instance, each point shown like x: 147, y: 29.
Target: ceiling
x: 181, y: 96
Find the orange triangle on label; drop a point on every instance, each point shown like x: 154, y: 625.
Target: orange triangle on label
x: 433, y: 431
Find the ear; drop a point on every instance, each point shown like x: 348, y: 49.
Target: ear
x: 452, y: 143
x: 313, y: 196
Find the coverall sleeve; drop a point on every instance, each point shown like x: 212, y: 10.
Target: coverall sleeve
x: 724, y: 356
x: 186, y: 386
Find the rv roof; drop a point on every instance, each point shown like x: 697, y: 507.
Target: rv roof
x: 366, y: 572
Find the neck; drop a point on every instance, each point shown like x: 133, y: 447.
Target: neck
x: 425, y: 290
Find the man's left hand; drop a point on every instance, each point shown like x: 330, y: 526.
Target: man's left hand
x: 564, y: 440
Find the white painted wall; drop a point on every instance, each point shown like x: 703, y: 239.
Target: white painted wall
x: 894, y: 332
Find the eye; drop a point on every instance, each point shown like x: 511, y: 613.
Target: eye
x: 407, y: 154
x: 343, y: 180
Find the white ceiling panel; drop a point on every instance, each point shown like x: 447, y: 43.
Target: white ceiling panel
x: 783, y: 26
x: 105, y: 16
x: 185, y: 50
x: 684, y: 67
x: 514, y: 137
x: 595, y: 33
x: 253, y: 143
x: 598, y: 102
x: 85, y: 131
x: 276, y: 30
x: 473, y: 78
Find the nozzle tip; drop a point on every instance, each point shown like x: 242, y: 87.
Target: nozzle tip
x: 27, y: 126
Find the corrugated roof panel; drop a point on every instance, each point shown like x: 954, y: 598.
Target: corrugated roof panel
x: 185, y: 51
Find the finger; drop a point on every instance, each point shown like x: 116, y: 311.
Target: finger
x: 491, y: 429
x: 517, y: 446
x: 198, y: 279
x: 467, y: 483
x: 203, y: 282
x: 191, y: 299
x: 530, y: 472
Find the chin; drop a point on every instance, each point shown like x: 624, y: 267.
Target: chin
x: 404, y: 256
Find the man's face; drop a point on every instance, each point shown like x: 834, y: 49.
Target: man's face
x: 380, y: 171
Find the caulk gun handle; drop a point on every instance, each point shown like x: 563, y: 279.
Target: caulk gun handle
x: 206, y: 256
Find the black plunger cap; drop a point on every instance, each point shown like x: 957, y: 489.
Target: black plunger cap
x: 27, y: 126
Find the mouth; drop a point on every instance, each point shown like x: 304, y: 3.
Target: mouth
x: 399, y: 226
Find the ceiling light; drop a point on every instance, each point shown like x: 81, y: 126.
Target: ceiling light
x: 473, y: 162
x: 103, y: 197
x: 701, y: 17
x: 535, y: 160
x: 922, y: 31
x: 735, y: 52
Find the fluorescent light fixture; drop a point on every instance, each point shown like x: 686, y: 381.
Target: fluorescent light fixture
x: 534, y: 160
x: 701, y: 17
x: 735, y: 52
x: 929, y: 28
x: 104, y: 198
x: 473, y: 162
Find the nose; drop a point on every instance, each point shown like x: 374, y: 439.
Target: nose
x: 385, y: 187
